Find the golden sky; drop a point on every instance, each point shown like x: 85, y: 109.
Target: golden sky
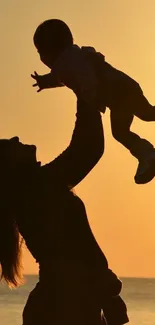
x: 120, y: 212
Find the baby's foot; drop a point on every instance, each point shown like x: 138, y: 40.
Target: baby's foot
x: 146, y: 170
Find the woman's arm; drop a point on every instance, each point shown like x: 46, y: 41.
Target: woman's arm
x: 85, y: 149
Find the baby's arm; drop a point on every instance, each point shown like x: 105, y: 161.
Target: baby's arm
x: 45, y: 81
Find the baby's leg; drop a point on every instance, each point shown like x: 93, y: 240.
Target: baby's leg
x: 142, y: 108
x: 120, y: 127
x: 142, y: 149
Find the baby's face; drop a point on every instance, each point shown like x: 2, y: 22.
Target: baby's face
x: 46, y: 58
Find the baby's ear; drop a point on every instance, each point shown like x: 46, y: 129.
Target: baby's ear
x: 14, y: 139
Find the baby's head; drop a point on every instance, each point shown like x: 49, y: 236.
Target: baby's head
x: 51, y: 38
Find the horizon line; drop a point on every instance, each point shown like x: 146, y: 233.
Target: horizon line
x: 120, y: 276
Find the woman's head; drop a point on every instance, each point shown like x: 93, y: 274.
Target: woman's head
x: 14, y: 156
x: 14, y: 153
x: 51, y: 38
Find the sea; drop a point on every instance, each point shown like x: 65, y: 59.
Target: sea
x: 138, y: 293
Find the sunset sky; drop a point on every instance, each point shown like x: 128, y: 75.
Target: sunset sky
x: 121, y: 213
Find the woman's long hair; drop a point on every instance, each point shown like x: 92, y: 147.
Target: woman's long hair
x: 10, y: 239
x: 10, y: 250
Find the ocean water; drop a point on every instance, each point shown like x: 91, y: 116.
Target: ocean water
x: 139, y: 294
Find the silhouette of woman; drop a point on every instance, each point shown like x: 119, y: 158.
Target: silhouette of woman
x: 37, y: 203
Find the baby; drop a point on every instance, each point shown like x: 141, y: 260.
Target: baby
x: 100, y: 85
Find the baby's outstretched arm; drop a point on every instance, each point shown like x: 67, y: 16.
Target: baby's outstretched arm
x: 45, y: 81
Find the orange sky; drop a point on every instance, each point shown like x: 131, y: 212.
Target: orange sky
x: 121, y: 213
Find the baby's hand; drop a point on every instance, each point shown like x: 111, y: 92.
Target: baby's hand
x: 40, y: 81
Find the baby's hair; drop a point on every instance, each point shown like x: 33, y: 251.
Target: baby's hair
x: 52, y: 34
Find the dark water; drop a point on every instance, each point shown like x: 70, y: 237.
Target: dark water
x: 139, y: 294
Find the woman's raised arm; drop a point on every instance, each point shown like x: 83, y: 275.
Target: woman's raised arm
x: 84, y: 151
